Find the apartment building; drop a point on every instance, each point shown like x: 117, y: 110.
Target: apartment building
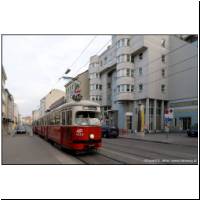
x: 16, y: 115
x: 27, y: 120
x: 183, y: 87
x: 80, y: 84
x: 8, y: 115
x: 35, y: 114
x: 3, y: 97
x: 130, y: 80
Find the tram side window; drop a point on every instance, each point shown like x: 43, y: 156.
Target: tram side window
x: 57, y: 118
x: 48, y: 120
x: 52, y: 119
x: 63, y: 118
x: 69, y: 117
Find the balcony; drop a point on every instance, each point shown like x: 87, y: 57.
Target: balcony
x: 125, y: 96
x: 137, y: 45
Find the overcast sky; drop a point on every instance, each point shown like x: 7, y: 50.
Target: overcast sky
x: 33, y: 64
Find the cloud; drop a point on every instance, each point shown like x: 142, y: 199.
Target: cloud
x: 33, y: 64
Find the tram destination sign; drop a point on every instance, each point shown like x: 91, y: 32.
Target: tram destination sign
x: 89, y: 108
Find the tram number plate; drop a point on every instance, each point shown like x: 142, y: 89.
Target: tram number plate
x: 79, y: 132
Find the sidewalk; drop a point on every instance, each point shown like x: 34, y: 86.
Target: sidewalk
x: 170, y: 138
x: 23, y: 149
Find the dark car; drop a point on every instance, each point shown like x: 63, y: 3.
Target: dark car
x: 20, y: 129
x: 109, y: 131
x: 193, y: 131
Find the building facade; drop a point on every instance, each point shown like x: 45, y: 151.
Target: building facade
x: 16, y: 116
x: 130, y: 80
x: 49, y: 99
x: 35, y: 114
x: 183, y: 87
x: 78, y: 84
x: 8, y: 115
x: 27, y: 120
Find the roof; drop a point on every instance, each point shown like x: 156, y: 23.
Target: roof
x: 75, y: 78
x: 76, y: 103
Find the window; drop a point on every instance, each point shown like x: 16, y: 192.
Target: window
x: 163, y: 72
x: 132, y: 58
x: 127, y: 72
x: 109, y: 85
x: 141, y: 56
x: 69, y: 117
x: 122, y: 88
x: 52, y: 119
x: 105, y: 60
x: 101, y: 63
x: 132, y: 73
x: 163, y: 42
x: 97, y: 86
x: 123, y: 58
x: 140, y: 71
x: 123, y: 42
x: 162, y: 88
x: 63, y: 118
x: 132, y: 88
x: 128, y: 88
x: 100, y: 87
x: 140, y: 87
x: 118, y: 88
x: 87, y: 118
x: 57, y: 118
x: 163, y: 58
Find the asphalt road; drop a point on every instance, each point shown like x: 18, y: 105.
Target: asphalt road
x: 31, y: 149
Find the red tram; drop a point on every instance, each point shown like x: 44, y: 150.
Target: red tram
x: 73, y: 125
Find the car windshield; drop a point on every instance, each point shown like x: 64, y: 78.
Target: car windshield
x: 87, y: 118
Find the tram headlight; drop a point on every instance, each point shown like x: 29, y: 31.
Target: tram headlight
x: 91, y: 136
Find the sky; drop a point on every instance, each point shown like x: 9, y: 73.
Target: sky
x: 34, y: 63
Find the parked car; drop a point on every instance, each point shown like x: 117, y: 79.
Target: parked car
x: 20, y: 129
x: 109, y: 131
x: 193, y: 131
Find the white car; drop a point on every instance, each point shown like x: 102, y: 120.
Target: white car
x: 20, y: 129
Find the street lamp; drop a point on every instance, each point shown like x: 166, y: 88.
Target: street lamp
x: 66, y: 77
x: 67, y: 71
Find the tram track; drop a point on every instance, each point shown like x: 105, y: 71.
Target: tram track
x: 98, y: 158
x: 182, y: 155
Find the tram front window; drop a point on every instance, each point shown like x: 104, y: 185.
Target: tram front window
x: 87, y: 118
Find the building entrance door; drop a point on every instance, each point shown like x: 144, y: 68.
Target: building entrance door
x: 186, y: 123
x: 129, y: 122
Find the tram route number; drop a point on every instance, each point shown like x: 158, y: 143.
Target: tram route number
x: 79, y: 132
